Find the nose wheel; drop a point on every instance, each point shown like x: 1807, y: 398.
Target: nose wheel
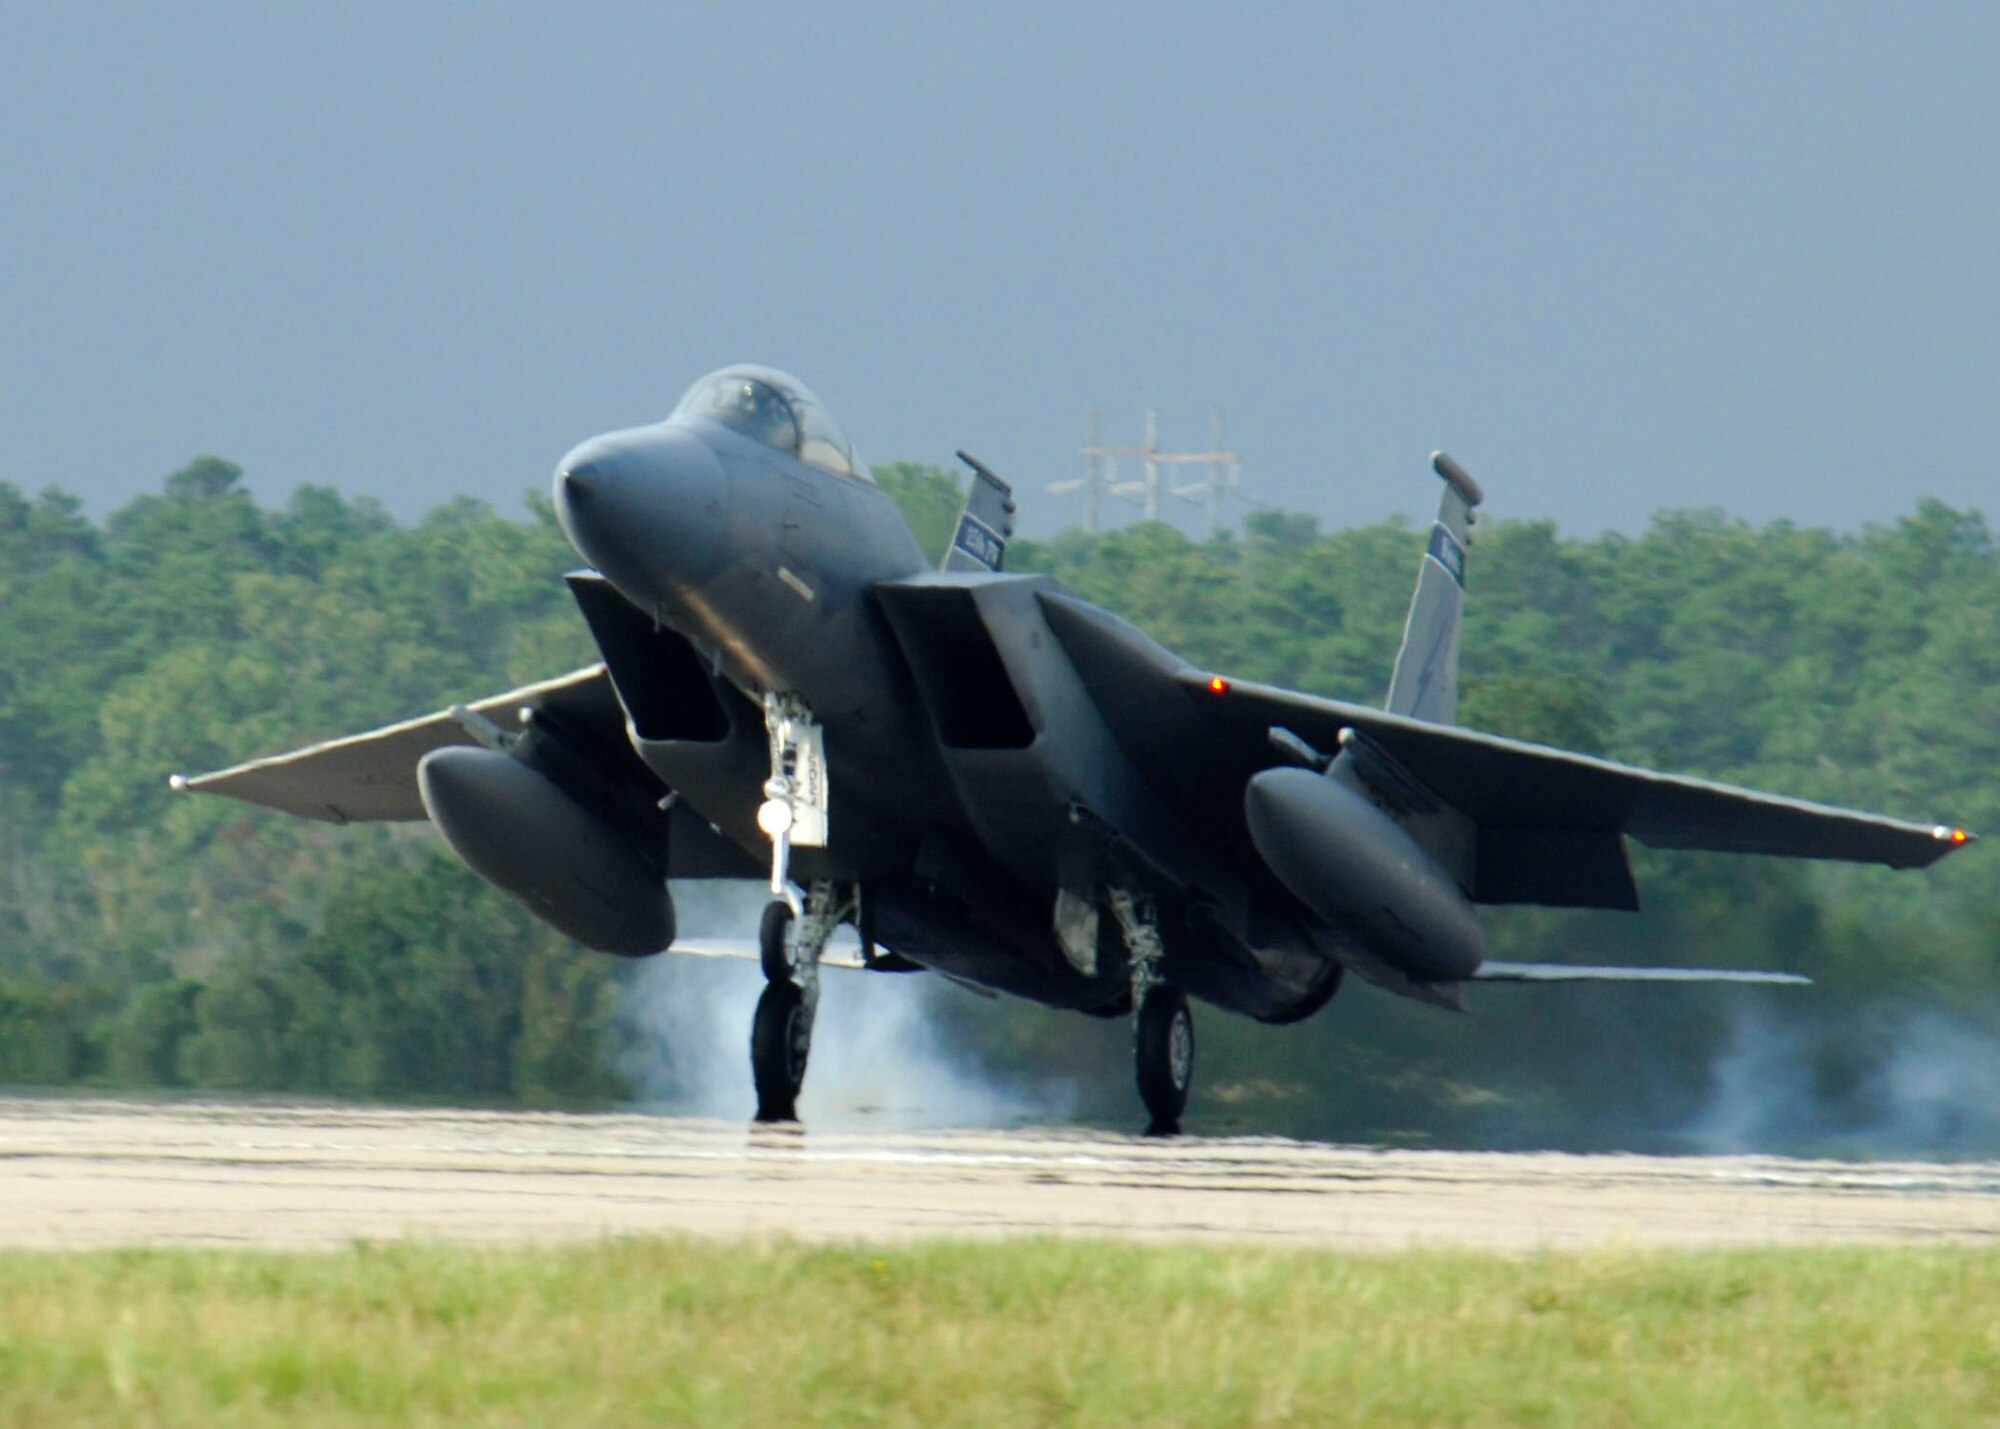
x: 781, y: 1031
x: 773, y: 936
x: 780, y: 1040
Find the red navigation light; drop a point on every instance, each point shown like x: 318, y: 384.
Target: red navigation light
x: 1219, y: 686
x: 1959, y: 836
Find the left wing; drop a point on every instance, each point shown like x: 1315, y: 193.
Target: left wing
x: 373, y: 776
x: 1541, y: 808
x: 1512, y: 784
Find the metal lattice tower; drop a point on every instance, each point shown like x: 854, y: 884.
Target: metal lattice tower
x: 1153, y: 487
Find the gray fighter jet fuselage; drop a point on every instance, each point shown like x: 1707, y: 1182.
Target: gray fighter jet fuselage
x: 971, y: 776
x: 993, y: 779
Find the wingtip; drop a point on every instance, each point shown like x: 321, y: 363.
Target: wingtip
x: 179, y: 783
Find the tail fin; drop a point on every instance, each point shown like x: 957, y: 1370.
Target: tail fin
x: 980, y: 542
x: 1425, y: 684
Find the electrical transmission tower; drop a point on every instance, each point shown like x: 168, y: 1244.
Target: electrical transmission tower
x: 1155, y: 485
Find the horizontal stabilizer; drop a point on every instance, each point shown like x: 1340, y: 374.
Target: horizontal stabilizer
x: 839, y: 954
x: 1573, y: 972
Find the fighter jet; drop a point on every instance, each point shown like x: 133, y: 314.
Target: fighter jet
x: 988, y: 778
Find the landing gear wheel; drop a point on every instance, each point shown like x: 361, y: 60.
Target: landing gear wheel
x: 771, y: 950
x: 780, y: 1037
x: 1164, y: 1044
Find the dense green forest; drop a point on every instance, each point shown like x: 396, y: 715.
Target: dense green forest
x: 150, y: 941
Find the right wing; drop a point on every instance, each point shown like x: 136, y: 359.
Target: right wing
x: 373, y: 776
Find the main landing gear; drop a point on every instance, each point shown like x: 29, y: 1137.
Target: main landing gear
x: 794, y: 930
x: 1163, y: 1047
x: 1162, y: 1026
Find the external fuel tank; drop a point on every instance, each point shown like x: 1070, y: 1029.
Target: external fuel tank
x: 564, y: 863
x: 1360, y: 869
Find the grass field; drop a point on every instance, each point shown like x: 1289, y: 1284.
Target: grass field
x: 1037, y: 1332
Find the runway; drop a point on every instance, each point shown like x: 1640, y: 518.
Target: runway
x: 111, y: 1173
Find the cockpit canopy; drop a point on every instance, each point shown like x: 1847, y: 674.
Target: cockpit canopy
x: 777, y: 410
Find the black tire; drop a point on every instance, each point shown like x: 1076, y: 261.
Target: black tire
x: 1164, y: 1047
x: 779, y: 1042
x: 771, y: 950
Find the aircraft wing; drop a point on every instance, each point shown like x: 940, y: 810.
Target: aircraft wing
x: 373, y: 776
x: 1207, y: 735
x: 1510, y: 783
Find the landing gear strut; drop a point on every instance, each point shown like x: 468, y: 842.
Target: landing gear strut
x: 1162, y: 1028
x: 794, y: 929
x: 794, y: 811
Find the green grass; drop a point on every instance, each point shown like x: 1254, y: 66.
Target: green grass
x: 1035, y: 1332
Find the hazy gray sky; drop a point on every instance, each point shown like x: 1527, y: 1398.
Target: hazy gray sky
x: 1612, y: 257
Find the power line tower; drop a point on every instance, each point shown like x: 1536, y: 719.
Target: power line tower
x: 1153, y: 487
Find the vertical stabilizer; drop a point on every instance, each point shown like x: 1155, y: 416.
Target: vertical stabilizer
x: 1425, y: 684
x: 980, y: 541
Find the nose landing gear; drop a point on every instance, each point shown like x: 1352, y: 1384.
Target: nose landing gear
x: 794, y: 811
x: 780, y: 1041
x: 794, y: 930
x: 781, y: 1031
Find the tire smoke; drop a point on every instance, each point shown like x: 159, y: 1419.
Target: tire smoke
x: 1907, y: 1082
x: 683, y: 1036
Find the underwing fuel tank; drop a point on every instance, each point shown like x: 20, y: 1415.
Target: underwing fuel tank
x: 520, y: 832
x: 1359, y: 869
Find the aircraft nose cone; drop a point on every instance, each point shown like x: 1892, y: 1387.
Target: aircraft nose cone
x: 647, y: 508
x: 577, y: 483
x: 573, y: 485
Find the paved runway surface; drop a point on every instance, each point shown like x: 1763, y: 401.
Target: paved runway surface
x: 95, y: 1173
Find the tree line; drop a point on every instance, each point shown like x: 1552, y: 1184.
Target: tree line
x: 195, y: 943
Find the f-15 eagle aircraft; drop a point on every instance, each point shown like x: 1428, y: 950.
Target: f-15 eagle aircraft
x: 989, y: 778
